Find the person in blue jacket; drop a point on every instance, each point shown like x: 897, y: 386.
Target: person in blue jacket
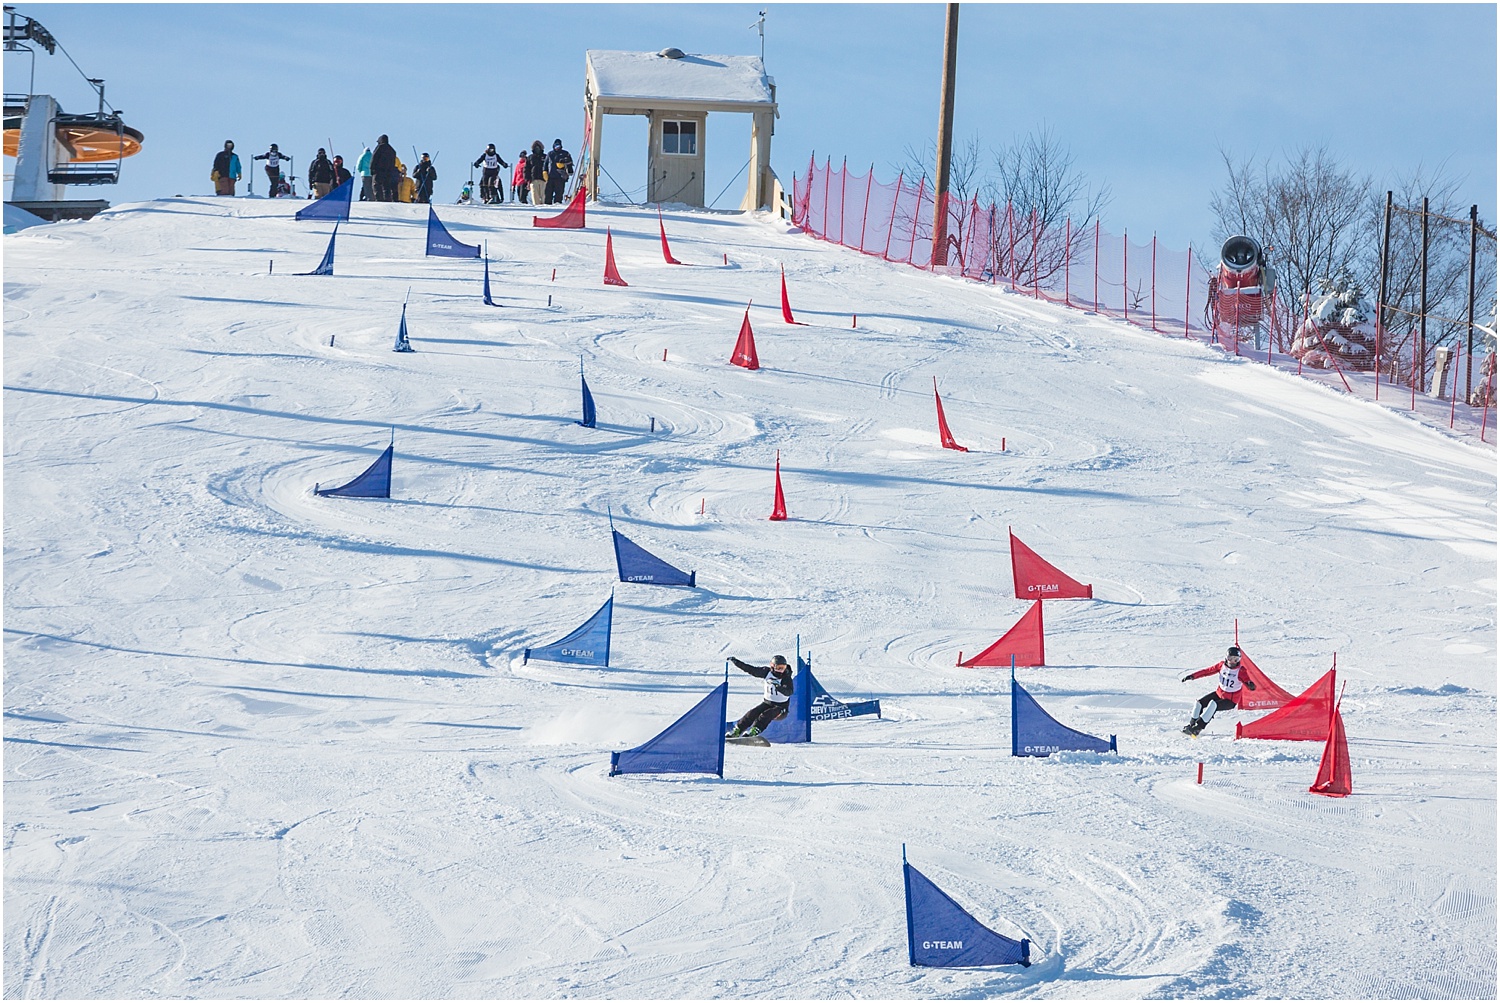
x: 776, y: 700
x: 226, y: 169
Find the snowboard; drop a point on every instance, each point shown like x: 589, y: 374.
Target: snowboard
x: 748, y: 740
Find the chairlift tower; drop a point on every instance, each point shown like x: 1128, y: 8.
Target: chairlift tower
x: 54, y: 149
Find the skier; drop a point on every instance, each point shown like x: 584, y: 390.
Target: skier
x: 778, y: 694
x: 320, y: 174
x: 559, y: 169
x: 272, y: 157
x: 425, y: 174
x: 1225, y: 696
x: 491, y: 188
x: 226, y: 169
x: 518, y: 179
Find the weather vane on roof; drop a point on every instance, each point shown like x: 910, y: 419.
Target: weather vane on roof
x: 761, y: 24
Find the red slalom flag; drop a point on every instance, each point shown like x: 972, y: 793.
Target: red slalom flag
x: 786, y: 304
x: 1036, y: 579
x: 778, y: 507
x: 611, y: 273
x: 944, y: 432
x: 1335, y: 779
x: 572, y: 217
x: 1023, y: 642
x: 1304, y: 718
x: 666, y: 251
x: 744, y: 348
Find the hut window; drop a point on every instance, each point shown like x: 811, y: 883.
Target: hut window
x: 680, y: 138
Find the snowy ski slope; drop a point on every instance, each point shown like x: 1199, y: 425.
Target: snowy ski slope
x: 263, y: 744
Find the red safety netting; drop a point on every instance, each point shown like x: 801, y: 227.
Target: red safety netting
x: 1141, y: 282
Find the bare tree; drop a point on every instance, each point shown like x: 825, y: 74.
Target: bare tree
x: 965, y: 179
x: 1039, y: 184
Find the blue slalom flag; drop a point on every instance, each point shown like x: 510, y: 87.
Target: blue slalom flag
x: 488, y: 300
x: 442, y: 244
x: 588, y: 645
x: 940, y: 933
x: 588, y: 402
x: 1034, y: 732
x: 644, y: 568
x: 694, y: 743
x: 403, y: 343
x: 325, y: 267
x: 375, y: 482
x: 335, y: 205
x: 829, y: 708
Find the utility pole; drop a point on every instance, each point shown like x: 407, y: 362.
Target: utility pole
x: 945, y: 140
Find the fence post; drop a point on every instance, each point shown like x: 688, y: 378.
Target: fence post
x: 843, y: 184
x: 1187, y: 303
x: 895, y: 208
x: 1385, y: 256
x: 866, y: 215
x: 1036, y: 281
x: 1096, y: 264
x: 1153, y: 281
x: 910, y: 247
x: 1068, y: 264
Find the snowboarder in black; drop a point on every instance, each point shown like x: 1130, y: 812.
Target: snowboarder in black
x: 383, y: 168
x: 777, y: 697
x: 1225, y: 696
x: 491, y: 187
x: 273, y: 158
x: 559, y: 169
x: 425, y: 174
x: 320, y: 174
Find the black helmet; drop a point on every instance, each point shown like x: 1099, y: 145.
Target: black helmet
x: 778, y: 660
x: 1233, y: 650
x: 273, y: 146
x: 490, y: 147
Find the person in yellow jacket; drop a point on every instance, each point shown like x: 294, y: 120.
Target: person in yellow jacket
x: 406, y: 188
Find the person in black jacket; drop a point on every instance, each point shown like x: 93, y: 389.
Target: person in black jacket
x: 491, y: 185
x: 340, y: 172
x: 777, y: 696
x: 559, y: 169
x: 536, y: 173
x: 424, y: 175
x: 320, y: 174
x: 383, y: 169
x: 226, y: 169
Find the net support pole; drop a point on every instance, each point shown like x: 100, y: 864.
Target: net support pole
x: 1096, y: 265
x: 1153, y: 282
x: 895, y: 208
x: 869, y: 182
x: 1068, y: 263
x: 1125, y: 270
x: 1385, y: 259
x: 843, y: 185
x: 1422, y: 319
x: 1473, y: 254
x: 1187, y: 302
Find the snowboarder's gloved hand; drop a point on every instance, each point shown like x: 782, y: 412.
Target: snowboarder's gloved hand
x: 1187, y: 678
x: 1250, y: 683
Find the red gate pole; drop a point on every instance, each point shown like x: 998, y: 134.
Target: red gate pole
x: 1125, y: 243
x: 1068, y: 265
x: 1153, y: 282
x: 863, y: 223
x: 1187, y: 303
x: 843, y: 184
x: 895, y: 208
x: 912, y: 246
x: 1096, y: 265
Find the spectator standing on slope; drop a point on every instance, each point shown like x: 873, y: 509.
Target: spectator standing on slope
x: 383, y: 169
x: 226, y: 169
x: 559, y: 170
x: 536, y: 173
x: 273, y: 158
x: 366, y: 182
x: 1224, y: 696
x: 425, y: 174
x: 340, y: 172
x: 518, y: 179
x: 777, y: 696
x: 320, y: 174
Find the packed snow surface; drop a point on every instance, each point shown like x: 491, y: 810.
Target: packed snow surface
x: 265, y: 744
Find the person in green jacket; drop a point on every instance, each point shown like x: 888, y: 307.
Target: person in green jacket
x: 366, y: 180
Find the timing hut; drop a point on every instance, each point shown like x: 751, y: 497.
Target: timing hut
x: 676, y: 91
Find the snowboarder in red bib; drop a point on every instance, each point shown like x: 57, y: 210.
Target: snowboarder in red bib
x: 1225, y: 696
x: 778, y: 694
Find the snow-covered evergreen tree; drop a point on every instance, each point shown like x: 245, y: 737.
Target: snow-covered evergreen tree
x: 1340, y: 322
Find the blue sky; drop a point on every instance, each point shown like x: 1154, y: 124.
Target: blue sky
x: 1144, y: 95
